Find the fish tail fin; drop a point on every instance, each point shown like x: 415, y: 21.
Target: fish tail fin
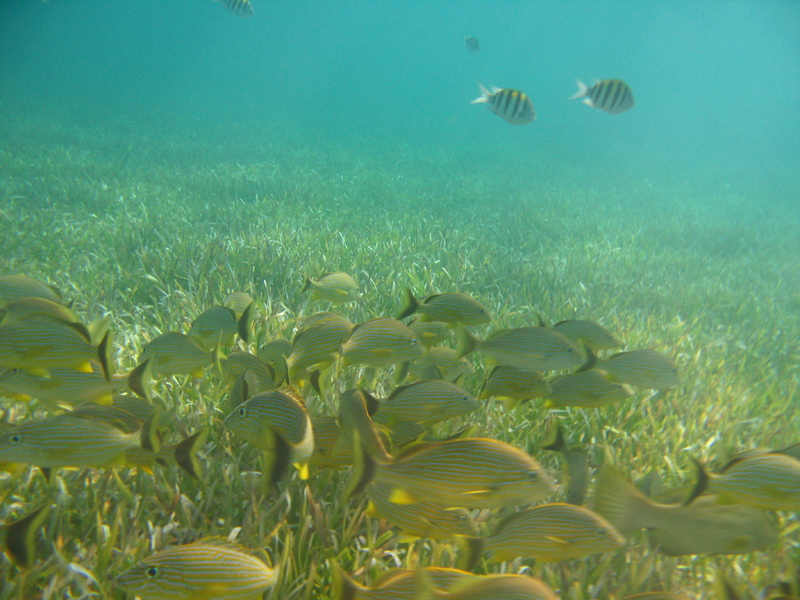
x: 583, y: 89
x: 471, y: 549
x: 701, y: 485
x: 306, y: 284
x: 558, y: 443
x: 314, y: 380
x: 243, y: 325
x: 466, y: 343
x: 484, y: 97
x: 21, y: 537
x: 620, y: 502
x: 410, y: 306
x: 98, y: 328
x: 363, y: 469
x: 277, y: 461
x: 139, y: 380
x: 186, y: 453
x: 104, y: 355
x: 148, y: 434
x: 343, y: 587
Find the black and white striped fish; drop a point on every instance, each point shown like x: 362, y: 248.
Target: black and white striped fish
x: 514, y: 106
x: 609, y: 95
x: 471, y: 42
x: 241, y: 8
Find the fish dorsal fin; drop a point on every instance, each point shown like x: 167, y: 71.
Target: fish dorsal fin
x: 291, y: 392
x: 371, y: 403
x: 413, y: 448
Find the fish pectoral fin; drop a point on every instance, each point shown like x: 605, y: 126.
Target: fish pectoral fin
x: 85, y: 367
x: 401, y: 496
x: 371, y: 511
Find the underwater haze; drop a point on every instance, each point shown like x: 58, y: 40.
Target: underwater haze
x: 157, y: 156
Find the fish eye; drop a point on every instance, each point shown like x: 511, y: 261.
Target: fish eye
x: 242, y: 411
x: 152, y: 572
x: 15, y: 439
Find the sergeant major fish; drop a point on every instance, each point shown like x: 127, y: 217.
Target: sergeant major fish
x: 512, y: 105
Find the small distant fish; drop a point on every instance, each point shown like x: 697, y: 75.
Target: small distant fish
x: 39, y: 344
x: 586, y: 389
x: 20, y: 536
x: 514, y: 106
x: 397, y: 584
x: 218, y: 325
x: 641, y: 368
x: 513, y: 385
x: 14, y: 287
x: 241, y: 8
x: 380, y: 342
x: 317, y: 342
x: 486, y: 587
x: 526, y: 348
x: 593, y: 335
x: 173, y: 353
x: 277, y: 423
x: 209, y: 569
x: 466, y: 473
x: 452, y: 308
x: 609, y: 95
x: 703, y: 527
x: 766, y: 481
x: 549, y: 532
x: 425, y: 401
x: 471, y: 42
x: 577, y: 469
x: 421, y: 519
x: 334, y: 287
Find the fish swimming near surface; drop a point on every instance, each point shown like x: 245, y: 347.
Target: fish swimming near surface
x: 14, y: 287
x: 277, y: 423
x: 453, y: 308
x: 549, y: 532
x: 241, y: 8
x: 609, y: 95
x: 209, y: 569
x: 380, y: 342
x: 526, y: 348
x: 464, y: 473
x: 334, y: 287
x: 471, y: 43
x: 702, y: 527
x: 770, y: 481
x: 514, y: 106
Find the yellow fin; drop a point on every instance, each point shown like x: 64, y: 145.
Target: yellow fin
x: 559, y: 541
x: 85, y: 367
x: 400, y: 496
x: 303, y: 468
x: 197, y: 373
x: 371, y: 511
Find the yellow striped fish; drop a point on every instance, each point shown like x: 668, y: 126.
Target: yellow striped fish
x: 702, y: 527
x: 356, y: 408
x: 587, y: 389
x: 40, y: 344
x: 397, y: 584
x: 593, y: 335
x: 430, y: 333
x: 380, y: 342
x: 173, y: 353
x: 465, y: 473
x: 328, y: 452
x: 425, y: 401
x: 512, y: 385
x: 260, y: 376
x: 275, y: 353
x: 642, y: 368
x: 317, y: 342
x: 32, y: 307
x: 277, y: 423
x: 439, y: 362
x: 577, y: 469
x: 218, y: 325
x: 768, y: 481
x: 486, y: 587
x: 239, y: 302
x: 514, y: 106
x: 549, y: 532
x: 241, y: 8
x: 210, y: 569
x: 334, y: 287
x: 609, y: 95
x: 20, y: 536
x: 452, y: 308
x: 418, y: 520
x: 14, y: 287
x: 71, y: 441
x: 526, y: 348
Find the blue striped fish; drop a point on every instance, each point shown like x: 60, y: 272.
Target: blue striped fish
x: 356, y: 408
x: 62, y: 386
x: 397, y: 584
x: 316, y: 342
x: 512, y: 105
x: 549, y: 532
x: 577, y: 467
x: 334, y: 287
x: 274, y: 353
x: 453, y: 308
x: 430, y: 333
x: 210, y: 569
x: 526, y: 348
x: 277, y: 423
x: 32, y: 307
x: 380, y: 342
x: 173, y: 353
x: 425, y: 401
x: 465, y: 473
x: 609, y: 95
x: 239, y: 302
x: 14, y: 287
x: 512, y: 385
x: 328, y: 452
x: 486, y: 587
x: 439, y: 362
x: 593, y: 335
x: 260, y: 376
x: 769, y: 481
x: 642, y: 368
x: 218, y: 325
x: 241, y: 8
x: 587, y: 389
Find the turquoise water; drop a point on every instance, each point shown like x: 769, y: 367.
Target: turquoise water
x: 157, y: 155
